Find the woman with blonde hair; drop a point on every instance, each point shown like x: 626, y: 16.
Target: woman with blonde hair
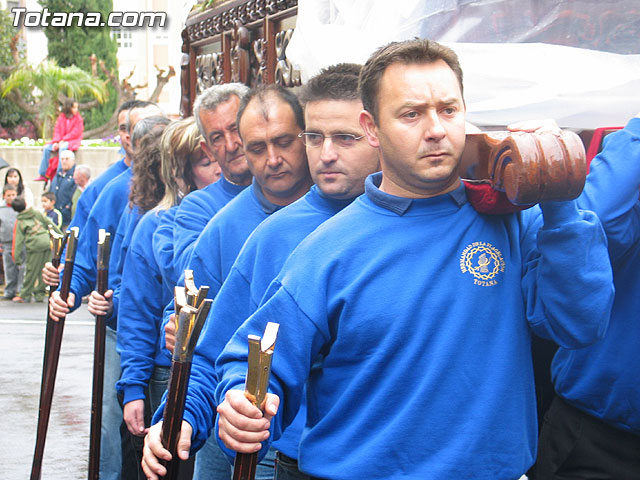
x: 148, y: 277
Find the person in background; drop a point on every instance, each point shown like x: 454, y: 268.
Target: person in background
x: 31, y: 234
x: 67, y: 135
x: 48, y: 200
x: 93, y: 190
x: 14, y: 177
x: 12, y: 274
x: 592, y: 429
x: 63, y: 185
x: 82, y: 177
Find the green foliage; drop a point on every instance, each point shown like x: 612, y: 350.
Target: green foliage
x: 52, y: 81
x: 10, y: 114
x: 74, y: 46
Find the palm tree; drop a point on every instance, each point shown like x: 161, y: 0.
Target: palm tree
x: 49, y: 84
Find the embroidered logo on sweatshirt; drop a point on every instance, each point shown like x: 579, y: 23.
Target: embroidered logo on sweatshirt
x: 483, y: 261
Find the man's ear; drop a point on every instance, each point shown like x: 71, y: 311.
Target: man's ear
x: 207, y: 151
x: 368, y: 124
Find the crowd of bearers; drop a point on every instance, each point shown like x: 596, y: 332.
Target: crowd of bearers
x: 391, y: 359
x: 148, y: 279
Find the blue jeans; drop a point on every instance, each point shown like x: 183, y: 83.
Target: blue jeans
x: 157, y: 386
x: 213, y: 464
x: 110, y: 440
x: 287, y: 469
x: 46, y: 154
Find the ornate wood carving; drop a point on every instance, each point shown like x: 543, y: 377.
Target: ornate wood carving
x: 241, y: 43
x: 286, y: 75
x: 244, y: 13
x: 185, y: 86
x: 258, y: 62
x: 209, y: 69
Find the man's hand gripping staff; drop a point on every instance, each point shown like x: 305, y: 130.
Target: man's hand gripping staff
x: 256, y: 385
x: 192, y: 308
x: 52, y: 348
x: 98, y: 357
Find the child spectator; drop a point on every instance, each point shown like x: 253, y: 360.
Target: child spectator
x: 82, y: 177
x: 63, y: 185
x: 7, y: 222
x: 14, y: 177
x: 30, y: 231
x: 67, y: 135
x: 49, y: 207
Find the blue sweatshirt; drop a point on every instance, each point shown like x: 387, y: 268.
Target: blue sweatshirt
x: 90, y: 194
x: 163, y: 247
x: 119, y: 247
x: 105, y: 214
x: 604, y: 378
x: 422, y: 310
x: 194, y: 213
x: 258, y: 263
x: 219, y: 244
x: 142, y: 297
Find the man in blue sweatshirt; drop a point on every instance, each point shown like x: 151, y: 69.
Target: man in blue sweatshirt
x: 339, y: 160
x: 270, y: 119
x: 215, y: 111
x: 420, y: 307
x: 105, y: 213
x: 592, y: 429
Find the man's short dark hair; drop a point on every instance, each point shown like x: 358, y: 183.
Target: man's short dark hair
x: 128, y: 105
x: 263, y: 92
x: 9, y: 187
x: 49, y: 195
x: 18, y: 204
x: 140, y: 104
x: 417, y: 51
x: 337, y: 82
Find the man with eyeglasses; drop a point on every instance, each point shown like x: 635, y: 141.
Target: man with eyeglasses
x: 339, y: 161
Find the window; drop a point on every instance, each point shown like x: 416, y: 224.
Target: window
x: 122, y: 37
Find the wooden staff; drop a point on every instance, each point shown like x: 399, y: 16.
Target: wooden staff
x: 256, y: 385
x: 52, y: 355
x: 189, y: 322
x: 57, y: 242
x: 98, y: 358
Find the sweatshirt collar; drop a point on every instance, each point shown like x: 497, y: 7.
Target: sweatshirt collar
x: 266, y: 205
x: 230, y: 188
x: 400, y: 205
x: 325, y: 203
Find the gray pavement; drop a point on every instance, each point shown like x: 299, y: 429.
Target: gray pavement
x: 21, y: 352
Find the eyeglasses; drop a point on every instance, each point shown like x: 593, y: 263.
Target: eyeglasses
x: 341, y: 140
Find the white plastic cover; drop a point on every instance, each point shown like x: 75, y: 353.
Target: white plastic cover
x: 576, y: 61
